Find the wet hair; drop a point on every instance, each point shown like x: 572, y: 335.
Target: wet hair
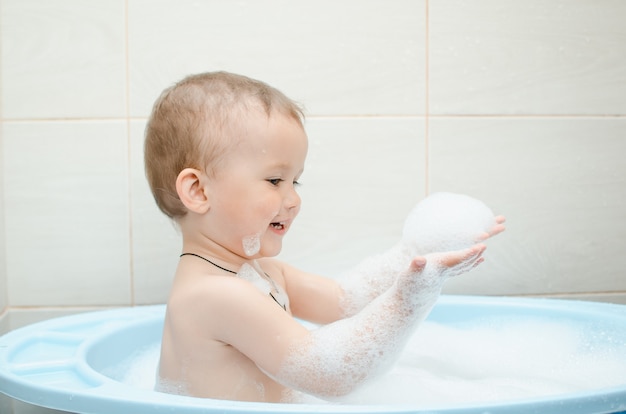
x: 194, y: 123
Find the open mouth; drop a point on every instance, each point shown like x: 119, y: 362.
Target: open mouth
x: 278, y: 225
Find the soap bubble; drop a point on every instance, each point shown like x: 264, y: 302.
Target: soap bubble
x: 489, y: 360
x: 248, y: 273
x: 445, y: 221
x: 252, y: 244
x: 442, y: 222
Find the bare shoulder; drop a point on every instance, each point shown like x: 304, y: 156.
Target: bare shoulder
x: 208, y: 300
x: 207, y: 288
x: 227, y: 310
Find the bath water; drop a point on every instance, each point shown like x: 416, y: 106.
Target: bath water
x: 490, y: 360
x: 496, y: 359
x: 483, y: 361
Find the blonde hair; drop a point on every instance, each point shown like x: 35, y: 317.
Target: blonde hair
x: 191, y: 126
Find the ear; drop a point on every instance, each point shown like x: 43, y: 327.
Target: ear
x: 190, y: 186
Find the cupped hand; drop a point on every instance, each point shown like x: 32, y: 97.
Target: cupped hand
x: 455, y: 263
x: 433, y: 269
x: 496, y: 229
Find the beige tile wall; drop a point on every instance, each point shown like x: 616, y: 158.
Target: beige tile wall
x: 3, y: 271
x: 519, y: 103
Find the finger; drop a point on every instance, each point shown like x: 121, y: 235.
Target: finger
x: 500, y: 219
x: 472, y: 261
x: 477, y: 257
x: 478, y: 248
x: 483, y: 237
x: 497, y: 229
x: 452, y: 259
x: 417, y: 264
x: 466, y: 265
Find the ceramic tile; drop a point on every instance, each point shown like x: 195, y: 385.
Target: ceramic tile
x: 618, y: 298
x: 156, y: 241
x: 63, y: 58
x: 66, y: 204
x: 561, y: 183
x: 27, y: 316
x: 4, y: 322
x: 362, y: 177
x: 9, y: 405
x: 3, y: 274
x: 20, y: 407
x: 528, y: 57
x: 6, y: 404
x: 373, y: 65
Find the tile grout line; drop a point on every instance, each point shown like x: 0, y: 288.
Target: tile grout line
x: 4, y: 311
x: 131, y: 262
x: 427, y: 100
x: 347, y: 116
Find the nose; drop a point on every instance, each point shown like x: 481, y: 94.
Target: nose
x: 292, y: 199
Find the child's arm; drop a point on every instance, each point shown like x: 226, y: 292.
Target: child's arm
x: 376, y: 274
x: 323, y: 300
x: 332, y: 360
x: 336, y: 358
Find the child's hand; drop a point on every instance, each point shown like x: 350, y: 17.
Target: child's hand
x: 450, y: 264
x: 496, y: 229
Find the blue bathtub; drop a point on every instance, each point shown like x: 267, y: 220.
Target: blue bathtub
x: 63, y: 363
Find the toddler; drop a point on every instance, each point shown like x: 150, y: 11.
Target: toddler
x: 223, y: 156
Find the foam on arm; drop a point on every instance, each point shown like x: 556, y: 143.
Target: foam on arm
x: 384, y: 301
x: 440, y: 223
x: 372, y: 277
x: 334, y: 359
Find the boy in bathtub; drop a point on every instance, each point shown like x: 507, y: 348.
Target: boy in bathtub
x: 223, y: 157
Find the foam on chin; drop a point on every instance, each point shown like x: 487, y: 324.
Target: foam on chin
x: 251, y: 244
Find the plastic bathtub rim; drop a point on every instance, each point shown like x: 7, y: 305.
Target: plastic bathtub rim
x: 106, y: 395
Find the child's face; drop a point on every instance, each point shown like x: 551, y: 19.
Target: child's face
x: 253, y: 197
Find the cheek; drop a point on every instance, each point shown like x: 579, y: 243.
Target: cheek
x: 270, y: 206
x: 254, y: 210
x: 248, y: 208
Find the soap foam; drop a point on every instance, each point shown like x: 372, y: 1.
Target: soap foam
x: 248, y: 273
x: 497, y: 361
x: 139, y: 369
x: 252, y: 244
x: 489, y: 361
x: 445, y: 221
x: 442, y: 222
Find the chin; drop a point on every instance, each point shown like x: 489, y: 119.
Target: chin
x: 270, y: 250
x: 269, y: 253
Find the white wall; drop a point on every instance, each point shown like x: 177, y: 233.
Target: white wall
x: 519, y: 103
x: 3, y: 274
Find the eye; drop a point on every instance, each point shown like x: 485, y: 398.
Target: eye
x: 274, y: 181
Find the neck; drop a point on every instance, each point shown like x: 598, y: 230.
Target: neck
x: 209, y: 261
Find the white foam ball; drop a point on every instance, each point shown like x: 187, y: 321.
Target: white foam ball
x: 446, y: 221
